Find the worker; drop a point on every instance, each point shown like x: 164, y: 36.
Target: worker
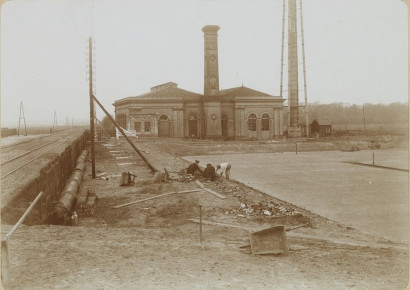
x: 209, y: 172
x: 224, y: 167
x: 193, y: 167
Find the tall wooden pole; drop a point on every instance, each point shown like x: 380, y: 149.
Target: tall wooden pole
x: 92, y: 136
x: 283, y: 48
x: 125, y: 136
x: 364, y: 122
x: 304, y: 70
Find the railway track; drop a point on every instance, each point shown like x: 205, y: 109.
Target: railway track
x: 27, y: 152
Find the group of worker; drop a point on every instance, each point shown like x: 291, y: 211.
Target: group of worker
x: 210, y: 173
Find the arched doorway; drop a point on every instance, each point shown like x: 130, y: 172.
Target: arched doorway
x: 265, y: 122
x: 193, y: 126
x: 163, y: 126
x: 224, y: 120
x: 252, y: 122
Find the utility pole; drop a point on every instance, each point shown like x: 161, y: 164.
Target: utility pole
x: 24, y: 119
x: 304, y: 70
x: 90, y: 64
x: 55, y: 122
x: 364, y: 122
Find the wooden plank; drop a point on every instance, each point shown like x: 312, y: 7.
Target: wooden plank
x: 24, y: 215
x: 209, y: 190
x: 157, y: 196
x: 221, y: 224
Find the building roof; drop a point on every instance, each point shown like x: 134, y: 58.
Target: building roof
x: 170, y: 93
x: 323, y: 122
x: 242, y: 92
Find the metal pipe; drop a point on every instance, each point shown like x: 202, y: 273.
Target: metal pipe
x: 66, y: 203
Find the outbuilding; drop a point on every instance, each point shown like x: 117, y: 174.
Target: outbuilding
x: 321, y: 128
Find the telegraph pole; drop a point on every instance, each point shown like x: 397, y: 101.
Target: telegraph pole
x: 364, y: 122
x: 55, y: 122
x: 24, y: 119
x: 90, y: 64
x: 304, y: 70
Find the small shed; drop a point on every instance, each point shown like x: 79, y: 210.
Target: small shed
x: 323, y: 128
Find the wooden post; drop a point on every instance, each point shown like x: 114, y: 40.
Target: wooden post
x: 296, y: 148
x: 92, y: 133
x: 125, y: 136
x: 200, y: 224
x: 5, y: 263
x: 373, y: 158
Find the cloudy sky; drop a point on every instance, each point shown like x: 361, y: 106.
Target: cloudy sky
x: 356, y: 51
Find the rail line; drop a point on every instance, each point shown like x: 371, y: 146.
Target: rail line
x: 60, y: 141
x: 23, y: 142
x: 13, y: 146
x: 28, y: 152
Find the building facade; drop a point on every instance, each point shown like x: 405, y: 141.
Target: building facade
x: 238, y: 113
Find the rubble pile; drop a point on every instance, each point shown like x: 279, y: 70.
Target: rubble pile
x: 247, y: 208
x: 262, y: 208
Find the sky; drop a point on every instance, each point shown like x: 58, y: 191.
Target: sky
x: 356, y: 51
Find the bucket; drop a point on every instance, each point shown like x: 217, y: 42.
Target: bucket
x: 269, y: 241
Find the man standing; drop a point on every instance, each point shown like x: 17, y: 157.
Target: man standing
x: 224, y: 167
x: 209, y: 172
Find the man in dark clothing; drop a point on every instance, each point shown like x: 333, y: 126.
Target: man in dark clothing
x: 193, y: 167
x: 209, y: 172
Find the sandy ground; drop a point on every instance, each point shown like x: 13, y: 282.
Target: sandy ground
x: 371, y: 199
x: 153, y: 245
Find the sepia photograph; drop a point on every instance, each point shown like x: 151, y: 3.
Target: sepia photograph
x: 204, y: 144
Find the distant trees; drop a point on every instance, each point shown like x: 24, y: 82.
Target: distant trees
x: 340, y: 113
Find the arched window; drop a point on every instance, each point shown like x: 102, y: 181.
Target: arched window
x: 265, y: 122
x: 163, y: 118
x: 252, y: 122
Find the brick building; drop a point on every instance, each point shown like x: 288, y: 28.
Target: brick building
x: 238, y: 113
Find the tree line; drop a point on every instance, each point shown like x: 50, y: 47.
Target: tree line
x: 341, y: 114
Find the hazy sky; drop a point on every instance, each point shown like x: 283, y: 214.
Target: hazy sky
x: 356, y: 51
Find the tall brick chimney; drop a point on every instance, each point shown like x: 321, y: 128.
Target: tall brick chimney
x: 212, y: 125
x: 211, y: 72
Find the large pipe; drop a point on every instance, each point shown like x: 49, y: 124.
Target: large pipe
x: 63, y: 208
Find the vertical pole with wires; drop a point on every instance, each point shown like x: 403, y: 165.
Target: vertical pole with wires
x: 304, y: 70
x: 55, y: 122
x: 364, y: 122
x: 92, y: 136
x: 24, y: 119
x: 281, y: 60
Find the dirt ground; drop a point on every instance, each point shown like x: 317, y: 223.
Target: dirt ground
x: 154, y: 245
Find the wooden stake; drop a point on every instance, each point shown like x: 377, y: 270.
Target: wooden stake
x: 197, y: 182
x: 200, y: 224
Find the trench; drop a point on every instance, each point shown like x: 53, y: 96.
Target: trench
x: 51, y: 180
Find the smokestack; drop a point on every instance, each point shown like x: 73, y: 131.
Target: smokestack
x: 211, y: 72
